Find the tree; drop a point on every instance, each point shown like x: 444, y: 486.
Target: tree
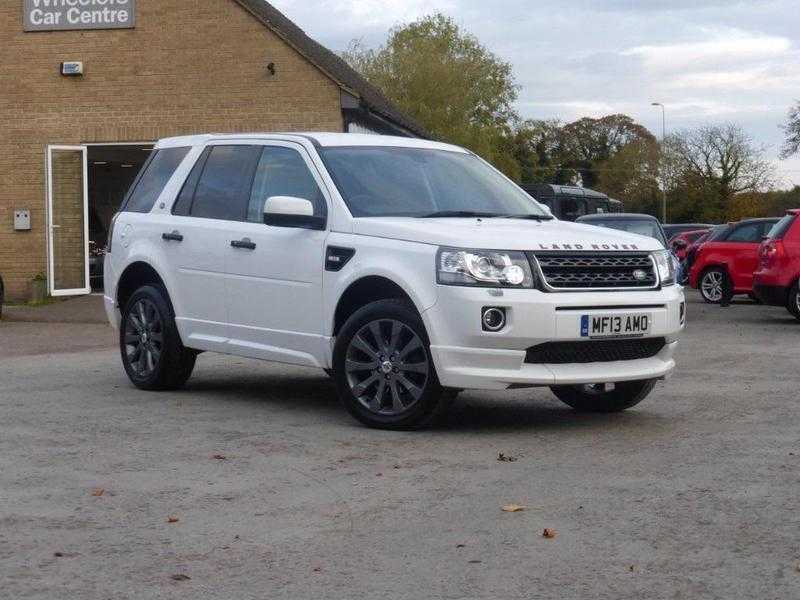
x: 537, y: 147
x: 445, y: 79
x: 708, y: 166
x: 792, y: 128
x: 589, y: 143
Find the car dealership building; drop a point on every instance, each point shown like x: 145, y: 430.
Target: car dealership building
x: 89, y: 85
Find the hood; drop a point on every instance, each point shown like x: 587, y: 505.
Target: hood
x: 503, y: 234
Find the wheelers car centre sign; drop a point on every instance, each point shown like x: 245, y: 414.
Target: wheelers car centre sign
x: 54, y: 15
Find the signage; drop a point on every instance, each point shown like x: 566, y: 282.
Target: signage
x: 60, y: 15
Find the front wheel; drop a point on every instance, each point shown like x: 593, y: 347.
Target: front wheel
x: 383, y: 369
x: 152, y: 352
x: 604, y: 398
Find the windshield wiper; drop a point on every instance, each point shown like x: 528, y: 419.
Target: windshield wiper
x: 532, y: 217
x: 459, y: 213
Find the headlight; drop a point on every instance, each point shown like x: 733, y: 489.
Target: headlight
x: 665, y: 266
x: 483, y: 268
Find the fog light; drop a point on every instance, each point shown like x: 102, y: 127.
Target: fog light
x: 493, y: 318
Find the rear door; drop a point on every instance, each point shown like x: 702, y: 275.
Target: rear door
x: 275, y: 273
x: 742, y: 246
x: 213, y: 197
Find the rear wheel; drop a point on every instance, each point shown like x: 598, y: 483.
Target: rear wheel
x: 152, y: 352
x: 383, y: 368
x: 604, y: 398
x: 793, y: 301
x: 712, y: 284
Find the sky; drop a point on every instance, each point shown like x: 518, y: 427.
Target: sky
x: 707, y: 61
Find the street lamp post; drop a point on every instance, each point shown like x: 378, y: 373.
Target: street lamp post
x: 663, y: 139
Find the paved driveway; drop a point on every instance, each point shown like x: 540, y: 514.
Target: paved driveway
x: 693, y: 494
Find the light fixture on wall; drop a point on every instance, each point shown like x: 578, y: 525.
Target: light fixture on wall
x: 271, y: 68
x: 72, y: 68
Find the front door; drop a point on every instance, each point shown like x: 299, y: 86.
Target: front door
x: 67, y: 221
x: 274, y: 274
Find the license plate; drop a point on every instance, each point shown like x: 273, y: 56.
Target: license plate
x: 619, y: 325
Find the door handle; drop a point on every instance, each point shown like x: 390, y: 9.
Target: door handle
x: 244, y: 243
x: 172, y: 237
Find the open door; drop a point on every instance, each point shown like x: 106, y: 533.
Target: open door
x: 67, y: 221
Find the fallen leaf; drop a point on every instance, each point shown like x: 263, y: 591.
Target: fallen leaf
x: 513, y: 508
x: 505, y: 458
x: 378, y: 474
x: 98, y: 492
x: 549, y: 533
x: 181, y: 577
x: 632, y: 568
x: 317, y: 569
x: 173, y: 520
x: 461, y: 545
x: 58, y: 554
x: 475, y: 562
x: 220, y: 457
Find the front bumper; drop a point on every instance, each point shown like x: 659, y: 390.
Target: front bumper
x: 465, y: 356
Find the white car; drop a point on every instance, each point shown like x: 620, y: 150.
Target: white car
x: 407, y: 269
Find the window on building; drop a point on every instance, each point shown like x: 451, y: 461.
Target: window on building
x: 157, y: 173
x: 222, y: 186
x: 283, y: 172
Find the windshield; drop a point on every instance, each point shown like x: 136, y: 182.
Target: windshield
x: 639, y: 226
x: 379, y: 181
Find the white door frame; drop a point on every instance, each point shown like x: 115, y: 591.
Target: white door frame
x: 86, y: 289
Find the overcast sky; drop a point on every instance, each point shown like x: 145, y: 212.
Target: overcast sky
x: 706, y: 60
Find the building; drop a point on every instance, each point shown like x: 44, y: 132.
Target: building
x: 89, y: 86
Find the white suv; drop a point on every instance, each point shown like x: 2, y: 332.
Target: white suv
x: 407, y: 269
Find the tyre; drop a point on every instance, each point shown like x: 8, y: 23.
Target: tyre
x: 152, y: 352
x: 793, y: 301
x: 712, y: 283
x: 596, y: 398
x: 754, y: 298
x: 383, y: 369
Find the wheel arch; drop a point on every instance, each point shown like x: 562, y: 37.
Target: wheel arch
x: 134, y: 276
x: 361, y: 292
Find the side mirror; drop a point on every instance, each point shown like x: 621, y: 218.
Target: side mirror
x: 679, y: 244
x: 288, y: 211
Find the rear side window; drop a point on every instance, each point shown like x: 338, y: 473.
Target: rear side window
x: 222, y: 191
x: 781, y: 228
x: 151, y: 182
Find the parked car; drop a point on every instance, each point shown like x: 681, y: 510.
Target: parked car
x: 673, y: 229
x: 568, y: 202
x: 640, y: 224
x: 407, y: 268
x: 729, y: 256
x: 681, y: 242
x: 776, y: 280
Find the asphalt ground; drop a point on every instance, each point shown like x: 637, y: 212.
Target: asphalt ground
x: 275, y: 492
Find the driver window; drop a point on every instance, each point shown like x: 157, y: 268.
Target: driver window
x: 749, y: 233
x: 283, y: 172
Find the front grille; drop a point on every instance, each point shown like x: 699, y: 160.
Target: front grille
x: 576, y: 270
x: 561, y: 353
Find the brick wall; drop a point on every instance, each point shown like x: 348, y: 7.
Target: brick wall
x: 188, y: 67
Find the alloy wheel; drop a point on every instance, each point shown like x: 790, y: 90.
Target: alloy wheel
x: 144, y: 338
x: 711, y: 286
x: 387, y: 367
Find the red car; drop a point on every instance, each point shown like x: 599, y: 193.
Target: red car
x: 729, y: 254
x: 681, y: 242
x: 776, y: 279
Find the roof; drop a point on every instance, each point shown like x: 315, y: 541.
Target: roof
x: 570, y: 190
x: 617, y: 216
x: 331, y: 64
x: 326, y: 139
